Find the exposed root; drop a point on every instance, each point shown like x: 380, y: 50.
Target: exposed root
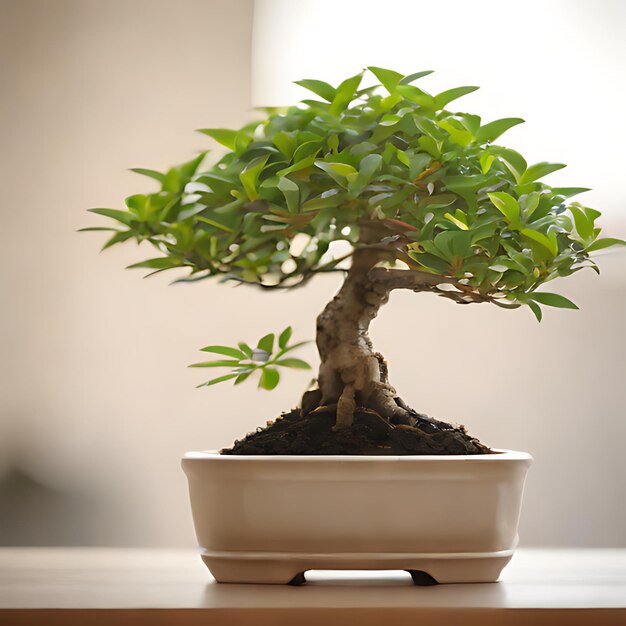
x: 382, y: 400
x: 412, y: 429
x: 345, y: 408
x: 315, y: 434
x: 323, y: 408
x: 378, y: 397
x: 311, y: 400
x: 386, y: 415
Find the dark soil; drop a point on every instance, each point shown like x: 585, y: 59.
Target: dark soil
x: 313, y: 434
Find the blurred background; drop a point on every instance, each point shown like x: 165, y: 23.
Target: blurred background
x: 96, y: 403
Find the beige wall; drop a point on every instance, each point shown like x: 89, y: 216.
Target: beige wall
x: 97, y: 404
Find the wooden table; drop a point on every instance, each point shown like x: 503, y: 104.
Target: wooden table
x: 94, y: 587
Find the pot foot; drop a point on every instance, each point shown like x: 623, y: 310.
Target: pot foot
x: 421, y: 579
x: 258, y: 571
x: 297, y: 580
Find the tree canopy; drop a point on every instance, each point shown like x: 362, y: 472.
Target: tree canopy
x: 431, y: 186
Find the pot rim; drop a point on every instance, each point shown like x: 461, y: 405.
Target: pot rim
x: 500, y: 455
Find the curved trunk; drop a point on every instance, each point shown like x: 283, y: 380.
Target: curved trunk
x: 351, y: 374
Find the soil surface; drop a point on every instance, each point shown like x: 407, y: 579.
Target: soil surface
x: 313, y: 434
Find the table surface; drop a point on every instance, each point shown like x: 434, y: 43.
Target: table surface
x: 44, y: 582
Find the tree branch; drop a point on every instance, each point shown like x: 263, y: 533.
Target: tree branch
x: 424, y: 281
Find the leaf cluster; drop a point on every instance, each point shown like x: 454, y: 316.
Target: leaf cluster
x: 431, y: 186
x: 243, y: 361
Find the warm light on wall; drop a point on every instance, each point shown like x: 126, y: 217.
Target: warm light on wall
x: 557, y: 64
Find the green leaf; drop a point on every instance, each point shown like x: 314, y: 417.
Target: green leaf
x: 584, y: 226
x: 246, y: 349
x: 457, y: 135
x: 536, y: 309
x: 507, y: 205
x: 232, y: 139
x: 266, y: 343
x: 430, y: 145
x: 215, y: 223
x: 97, y: 228
x: 553, y: 299
x: 250, y: 175
x: 470, y: 122
x: 225, y: 350
x: 428, y: 127
x: 298, y: 165
x: 341, y: 168
x: 125, y: 217
x: 296, y: 363
x: 189, y: 168
x: 319, y: 88
x: 345, y: 94
x: 388, y: 78
x: 390, y: 149
x: 284, y: 337
x: 550, y: 243
x: 416, y: 95
x: 218, y: 184
x: 243, y: 376
x: 367, y: 168
x: 294, y: 346
x: 338, y: 171
x: 407, y: 80
x: 305, y: 150
x: 118, y: 237
x: 529, y: 203
x: 438, y: 201
x: 568, y: 192
x: 173, y: 182
x: 149, y: 173
x: 445, y: 97
x: 159, y: 263
x: 314, y: 204
x: 486, y: 161
x: 219, y: 379
x: 514, y: 161
x: 456, y: 221
x: 491, y: 131
x: 431, y: 263
x: 269, y: 378
x: 333, y: 143
x: 453, y: 244
x: 286, y: 143
x: 389, y: 120
x: 592, y: 214
x: 222, y: 363
x: 607, y: 242
x: 137, y: 202
x: 291, y: 191
x: 539, y: 170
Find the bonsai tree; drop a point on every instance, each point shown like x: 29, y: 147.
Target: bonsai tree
x: 421, y: 196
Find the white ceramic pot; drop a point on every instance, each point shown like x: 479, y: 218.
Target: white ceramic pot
x: 267, y: 519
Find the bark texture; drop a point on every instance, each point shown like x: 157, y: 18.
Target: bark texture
x: 351, y: 373
x: 352, y: 376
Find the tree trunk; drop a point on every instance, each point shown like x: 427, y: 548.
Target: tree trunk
x: 351, y: 374
x: 352, y: 379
